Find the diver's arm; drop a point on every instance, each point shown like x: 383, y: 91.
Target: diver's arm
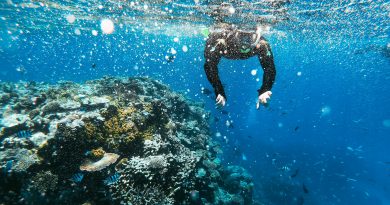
x: 267, y: 63
x: 213, y: 57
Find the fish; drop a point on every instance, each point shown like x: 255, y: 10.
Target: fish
x: 78, y: 177
x: 243, y: 157
x: 24, y: 134
x: 206, y: 91
x: 87, y: 153
x: 295, y: 173
x: 305, y: 188
x: 229, y: 124
x: 112, y: 179
x: 21, y: 69
x: 170, y: 58
x: 300, y: 200
x: 93, y: 65
x: 237, y: 151
x: 224, y: 112
x: 296, y: 128
x: 8, y: 167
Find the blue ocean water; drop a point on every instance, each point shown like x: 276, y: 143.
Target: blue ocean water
x: 327, y: 127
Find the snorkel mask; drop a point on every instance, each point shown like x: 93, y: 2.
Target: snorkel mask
x: 246, y: 43
x: 249, y: 41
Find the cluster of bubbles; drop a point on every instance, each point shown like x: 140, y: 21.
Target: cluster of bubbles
x: 106, y: 25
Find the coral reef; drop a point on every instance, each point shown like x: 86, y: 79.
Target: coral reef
x: 43, y: 182
x: 95, y: 154
x: 105, y: 161
x: 127, y: 141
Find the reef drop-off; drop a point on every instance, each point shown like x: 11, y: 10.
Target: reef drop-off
x: 111, y: 141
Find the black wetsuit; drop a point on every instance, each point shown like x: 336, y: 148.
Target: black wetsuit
x: 236, y: 44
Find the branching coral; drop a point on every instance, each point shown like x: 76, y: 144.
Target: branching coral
x: 44, y: 181
x: 96, y: 154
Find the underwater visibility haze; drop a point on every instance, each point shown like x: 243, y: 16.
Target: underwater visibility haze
x: 107, y: 102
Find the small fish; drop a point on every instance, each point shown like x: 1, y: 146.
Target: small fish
x: 111, y: 179
x: 93, y: 65
x: 24, y: 134
x: 224, y: 112
x: 351, y: 180
x: 296, y: 128
x: 249, y: 136
x: 229, y: 124
x: 170, y: 58
x: 8, y: 167
x: 88, y: 153
x: 295, y: 173
x: 77, y: 178
x: 237, y: 151
x: 305, y: 188
x: 244, y: 157
x: 21, y: 69
x: 206, y: 91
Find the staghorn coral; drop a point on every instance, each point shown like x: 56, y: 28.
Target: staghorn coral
x: 118, y: 129
x: 148, y: 107
x: 153, y: 170
x: 44, y: 181
x: 148, y: 134
x: 154, y: 145
x: 91, y: 130
x: 127, y: 111
x: 146, y: 195
x: 96, y: 154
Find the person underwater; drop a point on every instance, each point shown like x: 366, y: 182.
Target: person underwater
x: 230, y: 42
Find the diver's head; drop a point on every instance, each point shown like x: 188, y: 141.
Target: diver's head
x: 246, y: 39
x: 221, y: 11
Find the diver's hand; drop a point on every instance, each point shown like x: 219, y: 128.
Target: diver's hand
x: 220, y: 100
x: 263, y: 98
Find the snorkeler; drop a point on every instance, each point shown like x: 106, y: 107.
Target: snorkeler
x: 232, y: 43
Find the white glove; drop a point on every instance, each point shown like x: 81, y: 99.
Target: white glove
x: 220, y: 100
x: 263, y: 98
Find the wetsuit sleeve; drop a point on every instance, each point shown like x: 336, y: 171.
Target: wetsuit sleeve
x: 213, y: 56
x: 267, y: 63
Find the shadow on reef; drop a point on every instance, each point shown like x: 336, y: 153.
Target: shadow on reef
x: 111, y: 141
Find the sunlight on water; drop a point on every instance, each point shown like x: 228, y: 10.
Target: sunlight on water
x: 349, y: 18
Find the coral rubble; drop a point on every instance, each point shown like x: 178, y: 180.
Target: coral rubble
x: 127, y: 141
